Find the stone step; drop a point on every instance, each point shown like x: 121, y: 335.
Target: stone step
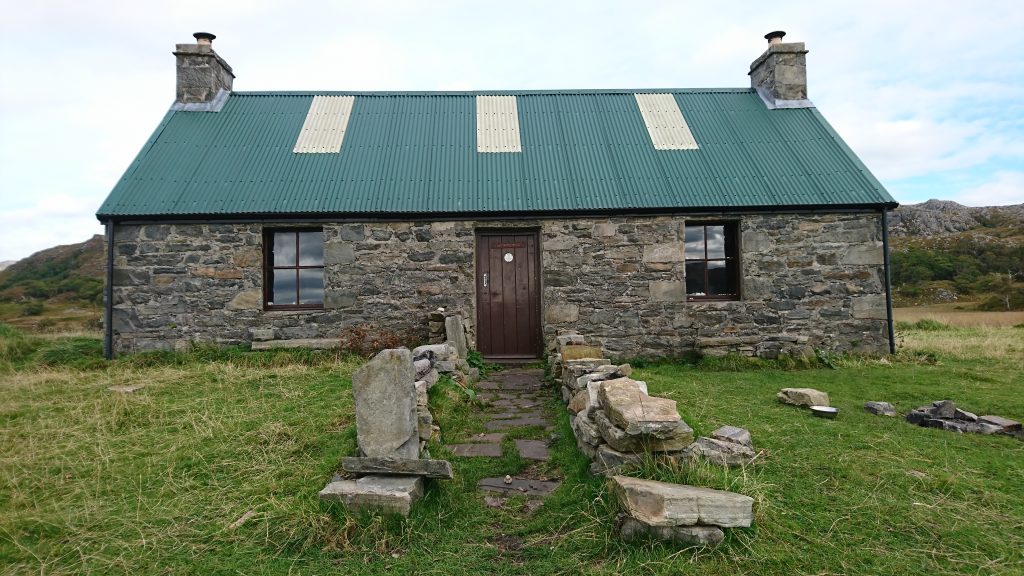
x: 476, y: 450
x: 533, y: 449
x: 524, y: 486
x: 399, y: 466
x: 387, y: 494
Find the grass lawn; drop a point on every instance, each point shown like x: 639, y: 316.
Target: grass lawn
x: 151, y: 482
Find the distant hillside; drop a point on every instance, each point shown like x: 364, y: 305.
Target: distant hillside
x: 6, y: 263
x: 71, y: 272
x: 943, y: 252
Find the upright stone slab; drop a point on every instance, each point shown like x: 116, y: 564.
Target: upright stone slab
x: 456, y: 334
x: 385, y: 403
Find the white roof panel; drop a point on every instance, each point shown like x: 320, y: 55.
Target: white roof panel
x: 665, y: 122
x: 497, y: 124
x: 324, y: 128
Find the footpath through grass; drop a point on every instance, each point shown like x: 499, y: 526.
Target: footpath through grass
x: 93, y: 481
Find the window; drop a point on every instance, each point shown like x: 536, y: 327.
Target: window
x: 294, y: 269
x: 712, y: 262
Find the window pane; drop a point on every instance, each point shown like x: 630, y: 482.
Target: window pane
x: 311, y: 286
x: 284, y: 288
x: 721, y: 280
x: 695, y: 279
x: 311, y: 248
x: 694, y: 242
x: 284, y: 249
x: 716, y: 241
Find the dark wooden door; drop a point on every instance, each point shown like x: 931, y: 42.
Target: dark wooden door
x: 508, y: 294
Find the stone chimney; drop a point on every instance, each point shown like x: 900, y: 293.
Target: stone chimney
x: 204, y: 78
x: 780, y: 74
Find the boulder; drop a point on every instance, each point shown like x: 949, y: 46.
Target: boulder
x: 803, y: 397
x: 619, y: 439
x: 376, y: 493
x: 385, y: 406
x: 456, y: 334
x: 734, y: 435
x: 663, y: 504
x: 637, y: 413
x: 720, y: 452
x: 880, y: 408
x: 630, y: 529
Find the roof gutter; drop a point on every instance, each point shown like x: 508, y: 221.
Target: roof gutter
x: 108, y: 299
x: 888, y: 280
x: 485, y: 216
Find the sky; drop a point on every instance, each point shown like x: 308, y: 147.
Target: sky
x: 929, y: 94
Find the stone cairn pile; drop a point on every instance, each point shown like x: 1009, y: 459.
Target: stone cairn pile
x: 617, y: 424
x: 944, y: 414
x: 449, y: 330
x: 394, y: 423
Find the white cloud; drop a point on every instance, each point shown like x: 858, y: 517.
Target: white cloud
x: 1006, y: 187
x: 47, y: 221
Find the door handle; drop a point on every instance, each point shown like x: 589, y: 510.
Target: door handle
x: 486, y: 276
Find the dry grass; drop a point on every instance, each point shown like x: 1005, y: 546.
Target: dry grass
x: 957, y: 315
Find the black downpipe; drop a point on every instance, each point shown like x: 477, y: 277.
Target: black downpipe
x: 108, y: 300
x: 888, y: 280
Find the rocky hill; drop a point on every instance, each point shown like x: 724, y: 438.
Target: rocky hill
x: 73, y: 270
x: 6, y: 263
x: 941, y: 217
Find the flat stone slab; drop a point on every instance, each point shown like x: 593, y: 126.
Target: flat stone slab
x: 381, y: 494
x: 518, y: 486
x: 493, y: 437
x: 720, y: 452
x: 516, y: 415
x: 663, y: 504
x: 315, y: 343
x: 515, y: 423
x: 880, y: 408
x: 476, y: 450
x: 802, y: 397
x: 1006, y: 424
x: 637, y: 413
x: 399, y: 466
x: 533, y: 449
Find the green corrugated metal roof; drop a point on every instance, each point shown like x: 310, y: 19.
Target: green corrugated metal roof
x: 415, y: 153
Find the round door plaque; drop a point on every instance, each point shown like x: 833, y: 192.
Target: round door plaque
x: 508, y: 256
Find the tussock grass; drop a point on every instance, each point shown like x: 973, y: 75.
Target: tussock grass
x: 93, y: 481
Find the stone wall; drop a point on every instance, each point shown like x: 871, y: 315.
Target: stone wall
x: 809, y: 281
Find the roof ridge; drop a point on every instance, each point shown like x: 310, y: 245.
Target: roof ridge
x: 490, y: 92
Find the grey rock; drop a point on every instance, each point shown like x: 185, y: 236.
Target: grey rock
x: 431, y: 378
x: 385, y: 406
x: 594, y: 389
x: 720, y: 452
x: 802, y: 397
x: 880, y: 408
x: 965, y: 415
x: 570, y: 339
x: 585, y: 430
x: 663, y: 504
x: 609, y: 461
x: 943, y: 408
x: 262, y: 334
x: 918, y: 417
x: 680, y: 437
x: 434, y: 352
x: 381, y: 494
x: 630, y: 529
x: 734, y: 435
x: 421, y: 367
x: 445, y: 366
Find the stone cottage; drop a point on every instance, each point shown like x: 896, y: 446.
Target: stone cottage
x: 656, y: 221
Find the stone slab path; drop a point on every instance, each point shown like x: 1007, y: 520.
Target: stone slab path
x: 513, y: 399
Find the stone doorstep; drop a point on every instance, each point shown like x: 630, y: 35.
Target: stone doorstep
x: 399, y: 466
x: 476, y: 450
x: 376, y: 493
x: 533, y: 450
x: 522, y: 486
x: 314, y: 343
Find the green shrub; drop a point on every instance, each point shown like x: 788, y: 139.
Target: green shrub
x: 32, y: 308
